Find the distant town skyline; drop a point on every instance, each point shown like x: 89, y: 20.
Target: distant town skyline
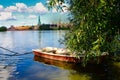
x: 26, y: 12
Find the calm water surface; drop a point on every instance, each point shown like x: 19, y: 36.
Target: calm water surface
x: 30, y: 67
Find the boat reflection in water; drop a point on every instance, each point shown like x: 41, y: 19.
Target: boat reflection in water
x: 64, y: 65
x: 75, y: 70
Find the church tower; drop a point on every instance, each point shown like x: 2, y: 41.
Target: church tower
x: 39, y: 22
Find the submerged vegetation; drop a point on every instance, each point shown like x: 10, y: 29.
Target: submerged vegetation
x: 96, y: 26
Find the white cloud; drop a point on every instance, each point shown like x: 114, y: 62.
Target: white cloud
x: 7, y: 13
x: 1, y: 7
x: 32, y: 16
x: 30, y: 9
x: 11, y: 9
x: 21, y: 7
x: 7, y: 16
x: 40, y: 8
x: 37, y: 8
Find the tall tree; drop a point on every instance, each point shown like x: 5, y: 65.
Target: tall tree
x: 96, y: 26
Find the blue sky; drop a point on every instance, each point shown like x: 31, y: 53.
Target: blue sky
x: 26, y: 12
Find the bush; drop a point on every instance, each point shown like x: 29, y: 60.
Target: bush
x: 3, y: 28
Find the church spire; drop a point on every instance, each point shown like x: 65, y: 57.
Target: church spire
x: 39, y: 22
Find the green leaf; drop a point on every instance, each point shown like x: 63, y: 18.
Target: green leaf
x: 95, y: 42
x: 96, y: 47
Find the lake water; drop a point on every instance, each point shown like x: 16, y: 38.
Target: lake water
x: 31, y: 67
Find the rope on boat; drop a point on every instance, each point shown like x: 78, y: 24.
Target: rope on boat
x: 15, y: 53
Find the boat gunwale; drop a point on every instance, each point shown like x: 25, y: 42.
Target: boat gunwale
x: 40, y: 51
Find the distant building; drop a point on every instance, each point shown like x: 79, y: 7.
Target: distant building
x: 39, y: 22
x: 23, y: 27
x: 12, y: 28
x: 48, y: 26
x: 36, y: 27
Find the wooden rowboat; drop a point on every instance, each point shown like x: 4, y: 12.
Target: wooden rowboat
x: 60, y: 57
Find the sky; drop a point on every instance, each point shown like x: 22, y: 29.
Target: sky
x: 26, y: 12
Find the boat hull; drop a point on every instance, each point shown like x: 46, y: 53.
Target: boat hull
x: 58, y: 57
x: 67, y: 58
